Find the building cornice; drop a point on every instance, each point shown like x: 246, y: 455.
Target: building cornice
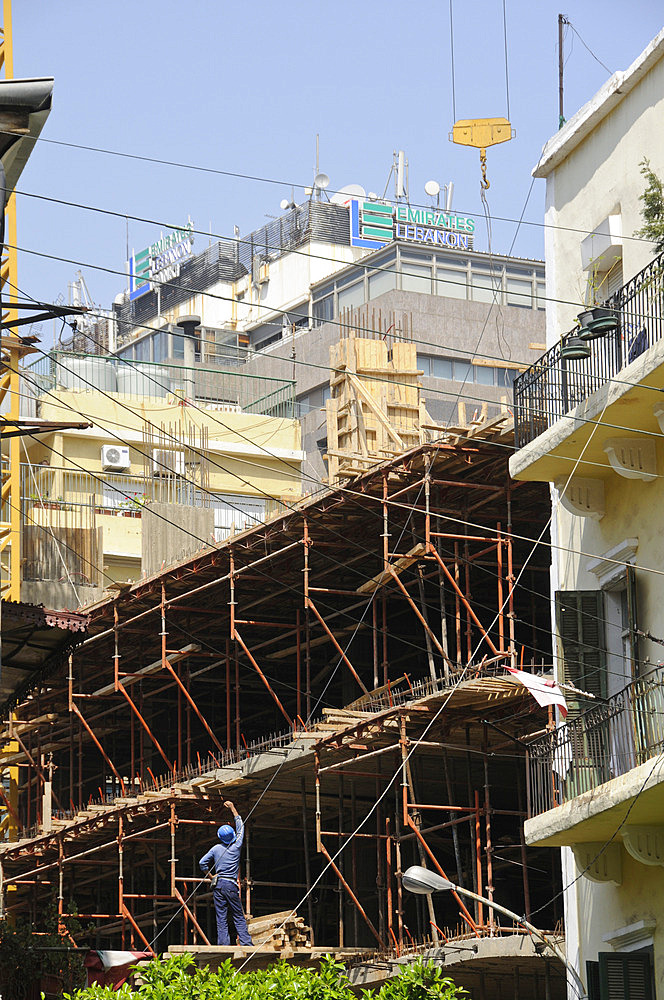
x: 616, y: 88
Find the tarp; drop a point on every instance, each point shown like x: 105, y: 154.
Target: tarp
x: 544, y: 692
x: 111, y: 968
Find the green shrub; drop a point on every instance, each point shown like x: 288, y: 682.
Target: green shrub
x: 177, y: 978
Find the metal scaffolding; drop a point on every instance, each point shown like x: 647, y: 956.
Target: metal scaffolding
x: 371, y: 625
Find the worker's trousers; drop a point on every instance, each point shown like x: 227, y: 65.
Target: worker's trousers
x: 227, y: 902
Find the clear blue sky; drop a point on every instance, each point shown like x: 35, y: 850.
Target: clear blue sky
x: 245, y: 87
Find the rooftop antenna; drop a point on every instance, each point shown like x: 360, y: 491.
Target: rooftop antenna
x: 432, y: 188
x: 449, y: 191
x: 401, y: 175
x: 321, y: 181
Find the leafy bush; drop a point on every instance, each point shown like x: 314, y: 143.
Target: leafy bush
x: 177, y: 978
x: 29, y: 952
x: 652, y: 209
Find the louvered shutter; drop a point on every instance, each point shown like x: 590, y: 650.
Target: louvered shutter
x: 581, y: 629
x: 592, y: 978
x: 632, y: 623
x: 625, y: 976
x: 614, y: 280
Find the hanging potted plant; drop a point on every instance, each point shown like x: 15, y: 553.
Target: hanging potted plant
x: 597, y: 320
x: 573, y: 346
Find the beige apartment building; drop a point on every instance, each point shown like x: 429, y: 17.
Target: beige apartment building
x: 590, y: 417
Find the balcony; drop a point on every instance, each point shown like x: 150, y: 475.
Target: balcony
x: 554, y: 386
x: 583, y: 776
x: 210, y: 388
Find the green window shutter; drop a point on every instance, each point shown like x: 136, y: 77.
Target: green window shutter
x: 592, y: 978
x: 581, y: 630
x: 625, y: 976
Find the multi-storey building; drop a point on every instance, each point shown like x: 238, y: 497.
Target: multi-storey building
x: 589, y: 421
x: 204, y: 452
x: 275, y: 300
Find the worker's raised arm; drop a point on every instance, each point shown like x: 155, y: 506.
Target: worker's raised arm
x: 239, y: 825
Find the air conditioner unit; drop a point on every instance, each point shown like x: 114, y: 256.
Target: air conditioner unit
x: 167, y: 463
x: 114, y: 458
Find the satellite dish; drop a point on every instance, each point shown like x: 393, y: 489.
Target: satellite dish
x: 321, y: 181
x: 372, y: 196
x: 432, y: 188
x: 284, y: 204
x: 344, y: 195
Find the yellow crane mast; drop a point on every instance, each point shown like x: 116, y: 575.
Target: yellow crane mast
x: 11, y: 352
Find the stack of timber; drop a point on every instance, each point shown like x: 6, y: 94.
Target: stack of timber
x: 283, y: 932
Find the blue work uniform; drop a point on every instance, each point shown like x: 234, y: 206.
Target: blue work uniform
x: 224, y: 861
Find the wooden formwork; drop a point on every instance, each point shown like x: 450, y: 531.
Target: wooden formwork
x: 375, y: 408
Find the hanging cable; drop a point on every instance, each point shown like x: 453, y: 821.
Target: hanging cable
x: 454, y: 117
x: 507, y: 77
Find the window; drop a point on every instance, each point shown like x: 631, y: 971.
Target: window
x: 262, y: 344
x: 160, y: 346
x: 519, y: 292
x: 486, y: 287
x: 177, y: 341
x: 581, y: 629
x: 505, y: 377
x: 451, y: 283
x: 484, y: 374
x: 231, y: 510
x: 416, y: 277
x: 351, y: 297
x: 324, y: 309
x: 463, y: 371
x: 540, y: 295
x: 621, y: 975
x: 143, y: 349
x: 382, y: 281
x: 442, y: 368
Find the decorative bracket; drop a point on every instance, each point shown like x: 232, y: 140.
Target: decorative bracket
x: 632, y: 458
x: 645, y: 844
x: 583, y: 497
x: 607, y: 867
x: 659, y: 415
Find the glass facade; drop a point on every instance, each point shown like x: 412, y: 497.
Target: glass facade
x: 405, y: 268
x: 463, y: 370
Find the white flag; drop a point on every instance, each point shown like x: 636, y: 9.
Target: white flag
x: 544, y: 692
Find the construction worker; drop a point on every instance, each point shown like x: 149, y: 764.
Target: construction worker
x: 221, y: 864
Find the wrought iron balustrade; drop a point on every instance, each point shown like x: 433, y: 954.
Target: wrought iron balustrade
x: 603, y: 743
x: 554, y: 385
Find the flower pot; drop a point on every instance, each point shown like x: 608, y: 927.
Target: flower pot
x: 597, y: 322
x: 574, y: 348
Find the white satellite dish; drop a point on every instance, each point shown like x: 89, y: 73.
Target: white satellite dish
x: 344, y: 195
x: 321, y: 181
x: 432, y: 188
x: 284, y: 204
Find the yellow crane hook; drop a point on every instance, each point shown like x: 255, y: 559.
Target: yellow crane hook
x: 481, y: 133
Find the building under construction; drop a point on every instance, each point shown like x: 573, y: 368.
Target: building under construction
x: 339, y: 673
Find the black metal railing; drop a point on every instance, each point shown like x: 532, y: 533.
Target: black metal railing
x: 554, y: 385
x: 603, y: 743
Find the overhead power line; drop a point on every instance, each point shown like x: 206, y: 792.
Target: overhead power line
x: 266, y: 180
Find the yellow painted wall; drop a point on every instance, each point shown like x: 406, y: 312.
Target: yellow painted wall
x: 248, y: 455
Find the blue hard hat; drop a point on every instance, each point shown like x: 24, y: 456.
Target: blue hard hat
x: 226, y: 834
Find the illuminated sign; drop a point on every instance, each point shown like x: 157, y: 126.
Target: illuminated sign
x: 372, y: 225
x: 160, y: 261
